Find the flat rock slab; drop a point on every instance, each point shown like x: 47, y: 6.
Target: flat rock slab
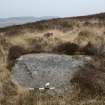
x: 35, y: 70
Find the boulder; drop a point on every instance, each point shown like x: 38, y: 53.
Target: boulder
x: 37, y: 70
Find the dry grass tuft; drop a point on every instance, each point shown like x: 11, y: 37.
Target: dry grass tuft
x: 66, y: 48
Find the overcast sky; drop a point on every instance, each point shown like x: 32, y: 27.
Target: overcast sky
x: 38, y: 8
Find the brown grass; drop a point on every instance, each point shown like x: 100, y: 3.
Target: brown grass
x: 66, y: 48
x: 69, y: 37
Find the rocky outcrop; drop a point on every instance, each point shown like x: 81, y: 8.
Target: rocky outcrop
x: 37, y: 70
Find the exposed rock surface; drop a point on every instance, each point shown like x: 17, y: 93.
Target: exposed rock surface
x: 35, y: 70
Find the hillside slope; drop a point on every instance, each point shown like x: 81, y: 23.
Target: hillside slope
x: 72, y: 36
x: 4, y: 22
